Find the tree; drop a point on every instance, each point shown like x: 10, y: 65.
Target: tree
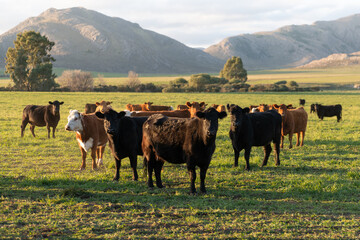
x: 234, y: 71
x: 133, y: 79
x: 29, y: 62
x: 76, y: 80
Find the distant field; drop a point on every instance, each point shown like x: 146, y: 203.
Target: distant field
x: 348, y: 75
x: 313, y: 194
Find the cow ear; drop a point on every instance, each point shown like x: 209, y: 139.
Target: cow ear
x: 108, y: 103
x: 97, y: 103
x: 61, y: 103
x: 121, y: 114
x: 228, y: 107
x: 246, y: 110
x: 188, y: 104
x: 222, y: 115
x: 99, y: 115
x: 50, y: 102
x: 200, y: 114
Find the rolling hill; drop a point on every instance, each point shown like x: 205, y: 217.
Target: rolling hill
x: 88, y: 40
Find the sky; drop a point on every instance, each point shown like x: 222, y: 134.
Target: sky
x: 196, y: 23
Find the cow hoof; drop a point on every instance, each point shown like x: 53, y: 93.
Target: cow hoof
x: 115, y: 179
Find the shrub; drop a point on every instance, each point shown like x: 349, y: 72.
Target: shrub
x: 76, y: 80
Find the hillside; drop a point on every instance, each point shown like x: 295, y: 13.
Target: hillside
x: 335, y: 60
x: 292, y: 46
x: 89, y: 40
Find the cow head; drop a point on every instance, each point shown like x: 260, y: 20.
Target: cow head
x: 210, y: 117
x: 75, y: 121
x: 111, y: 119
x: 282, y: 110
x: 55, y: 107
x: 195, y: 107
x: 103, y: 106
x: 237, y: 115
x: 147, y: 105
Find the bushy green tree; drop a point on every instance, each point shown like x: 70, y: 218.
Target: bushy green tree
x: 29, y: 63
x: 234, y: 71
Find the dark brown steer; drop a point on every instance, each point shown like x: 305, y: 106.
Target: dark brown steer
x: 41, y: 116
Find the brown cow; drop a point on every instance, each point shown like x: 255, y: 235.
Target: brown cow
x: 174, y: 113
x: 135, y: 107
x: 103, y: 106
x: 90, y: 108
x: 41, y: 116
x: 150, y: 107
x: 263, y: 107
x: 195, y: 107
x: 293, y: 121
x: 90, y: 134
x: 182, y: 107
x: 219, y: 108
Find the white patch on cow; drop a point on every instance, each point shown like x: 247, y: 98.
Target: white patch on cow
x: 171, y: 108
x: 74, y: 121
x: 86, y: 145
x: 127, y: 113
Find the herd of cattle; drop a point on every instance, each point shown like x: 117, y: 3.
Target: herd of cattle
x: 185, y: 135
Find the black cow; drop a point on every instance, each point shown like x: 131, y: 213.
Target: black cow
x: 125, y: 136
x: 328, y: 111
x: 41, y: 116
x: 302, y: 102
x: 312, y: 108
x: 256, y: 129
x: 181, y: 140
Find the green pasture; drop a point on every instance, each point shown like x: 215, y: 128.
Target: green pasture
x: 313, y: 194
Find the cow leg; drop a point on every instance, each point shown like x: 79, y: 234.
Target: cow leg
x: 158, y: 167
x: 150, y: 168
x: 302, y: 138
x: 290, y: 140
x: 236, y: 160
x: 282, y: 141
x: 133, y: 163
x: 117, y: 171
x: 93, y: 157
x: 23, y: 126
x: 48, y: 129
x: 99, y: 155
x: 277, y: 153
x: 32, y: 128
x: 83, y: 157
x: 203, y: 171
x: 192, y: 173
x: 338, y: 118
x: 298, y: 139
x: 53, y: 132
x: 267, y: 151
x: 247, y: 157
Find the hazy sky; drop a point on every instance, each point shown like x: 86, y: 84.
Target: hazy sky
x: 196, y: 23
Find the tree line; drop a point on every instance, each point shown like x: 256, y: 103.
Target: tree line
x: 30, y: 67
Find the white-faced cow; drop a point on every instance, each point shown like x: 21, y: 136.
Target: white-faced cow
x: 180, y: 140
x: 90, y: 135
x: 256, y: 129
x: 41, y: 116
x: 125, y: 136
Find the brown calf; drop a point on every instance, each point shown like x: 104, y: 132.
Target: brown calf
x: 219, y: 108
x: 293, y: 121
x: 136, y: 107
x: 150, y: 107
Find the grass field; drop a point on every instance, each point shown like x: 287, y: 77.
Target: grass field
x: 313, y: 194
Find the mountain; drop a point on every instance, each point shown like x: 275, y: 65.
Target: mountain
x: 291, y: 46
x: 334, y: 60
x: 88, y: 40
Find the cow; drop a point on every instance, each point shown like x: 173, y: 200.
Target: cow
x: 150, y: 107
x: 263, y: 107
x: 293, y: 121
x: 312, y: 108
x: 90, y: 108
x: 302, y: 102
x: 125, y: 136
x: 219, y: 108
x: 41, y: 116
x: 90, y: 134
x: 182, y: 107
x: 195, y: 106
x: 98, y: 106
x: 328, y: 111
x: 256, y: 129
x: 174, y: 113
x: 136, y: 107
x: 180, y: 140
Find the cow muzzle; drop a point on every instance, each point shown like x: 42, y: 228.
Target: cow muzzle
x: 67, y: 128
